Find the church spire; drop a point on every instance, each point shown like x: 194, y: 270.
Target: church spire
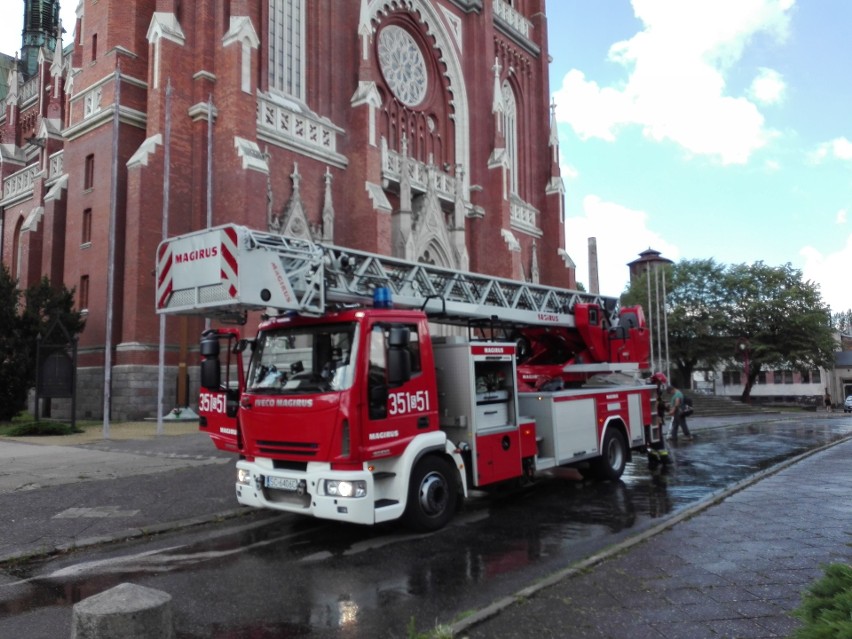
x: 41, y: 24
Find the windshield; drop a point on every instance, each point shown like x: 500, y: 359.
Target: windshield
x: 304, y: 359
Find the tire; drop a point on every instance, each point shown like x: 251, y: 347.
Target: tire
x: 432, y: 495
x: 610, y: 465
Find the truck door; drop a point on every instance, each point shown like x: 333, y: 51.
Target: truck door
x: 401, y: 398
x: 222, y: 382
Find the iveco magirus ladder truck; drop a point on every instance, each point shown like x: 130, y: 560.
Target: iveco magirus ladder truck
x: 349, y: 408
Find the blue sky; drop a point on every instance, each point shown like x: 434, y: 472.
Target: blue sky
x: 706, y: 129
x: 700, y: 128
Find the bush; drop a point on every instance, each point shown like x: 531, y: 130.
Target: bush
x: 826, y: 609
x: 22, y: 321
x: 35, y: 429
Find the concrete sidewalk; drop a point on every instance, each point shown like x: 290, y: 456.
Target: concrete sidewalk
x: 59, y: 493
x: 733, y: 567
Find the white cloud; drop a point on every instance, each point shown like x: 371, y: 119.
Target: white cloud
x: 592, y: 112
x: 768, y: 87
x: 838, y: 148
x: 676, y: 84
x: 621, y: 234
x: 568, y: 171
x: 830, y: 271
x: 842, y: 214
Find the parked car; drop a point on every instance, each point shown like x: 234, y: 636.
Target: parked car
x: 847, y: 405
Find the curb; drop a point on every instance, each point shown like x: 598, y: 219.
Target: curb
x: 714, y: 498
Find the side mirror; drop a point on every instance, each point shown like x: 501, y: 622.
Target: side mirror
x: 398, y: 337
x: 399, y: 366
x: 211, y: 375
x: 399, y: 357
x: 210, y: 346
x: 378, y: 402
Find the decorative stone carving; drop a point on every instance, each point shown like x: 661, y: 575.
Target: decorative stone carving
x: 293, y: 221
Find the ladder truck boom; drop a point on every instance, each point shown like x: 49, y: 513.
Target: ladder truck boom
x: 227, y: 270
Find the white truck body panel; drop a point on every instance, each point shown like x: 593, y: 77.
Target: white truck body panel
x: 570, y: 424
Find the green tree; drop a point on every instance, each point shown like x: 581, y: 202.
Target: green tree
x: 842, y: 322
x: 696, y: 320
x: 21, y: 322
x: 781, y: 319
x: 13, y: 358
x: 712, y: 308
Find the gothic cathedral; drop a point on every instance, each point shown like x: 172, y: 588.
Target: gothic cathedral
x: 421, y: 129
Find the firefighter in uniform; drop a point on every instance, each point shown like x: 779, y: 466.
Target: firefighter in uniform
x: 656, y: 442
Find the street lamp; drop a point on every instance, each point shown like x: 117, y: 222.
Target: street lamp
x: 742, y: 348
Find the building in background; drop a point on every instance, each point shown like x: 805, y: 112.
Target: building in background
x: 420, y: 128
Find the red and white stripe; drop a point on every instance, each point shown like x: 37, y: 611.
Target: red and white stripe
x: 230, y: 267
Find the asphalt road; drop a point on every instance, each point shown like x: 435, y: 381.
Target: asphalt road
x: 282, y: 576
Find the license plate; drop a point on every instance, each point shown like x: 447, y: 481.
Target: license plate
x: 282, y: 483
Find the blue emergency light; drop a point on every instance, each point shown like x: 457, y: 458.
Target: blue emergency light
x: 382, y: 297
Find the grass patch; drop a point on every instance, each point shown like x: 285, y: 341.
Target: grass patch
x: 439, y: 632
x: 826, y: 608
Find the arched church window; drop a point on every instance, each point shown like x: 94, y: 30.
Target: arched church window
x: 434, y: 255
x: 510, y: 132
x: 16, y: 250
x: 287, y: 47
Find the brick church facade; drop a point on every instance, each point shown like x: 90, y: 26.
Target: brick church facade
x: 416, y: 128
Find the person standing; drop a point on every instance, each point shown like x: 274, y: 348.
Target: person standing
x: 656, y: 445
x: 827, y: 401
x: 678, y: 418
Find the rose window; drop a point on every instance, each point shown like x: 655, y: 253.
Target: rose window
x: 402, y: 65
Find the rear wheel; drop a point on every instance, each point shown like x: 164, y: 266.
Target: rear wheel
x: 610, y: 465
x: 432, y: 494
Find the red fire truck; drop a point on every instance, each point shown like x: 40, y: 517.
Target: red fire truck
x: 378, y: 389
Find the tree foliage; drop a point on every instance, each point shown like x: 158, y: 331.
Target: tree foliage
x: 24, y: 315
x: 777, y: 318
x: 842, y: 322
x: 695, y: 317
x: 13, y: 358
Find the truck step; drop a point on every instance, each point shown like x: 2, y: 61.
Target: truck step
x: 384, y: 474
x: 384, y: 503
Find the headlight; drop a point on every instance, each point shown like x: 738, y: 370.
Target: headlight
x: 243, y: 476
x: 341, y: 488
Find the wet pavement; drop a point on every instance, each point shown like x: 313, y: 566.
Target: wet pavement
x: 734, y: 569
x: 341, y: 572
x: 59, y: 493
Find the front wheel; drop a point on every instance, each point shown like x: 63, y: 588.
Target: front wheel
x: 610, y: 465
x: 432, y: 495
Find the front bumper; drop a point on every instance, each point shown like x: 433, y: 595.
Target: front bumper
x: 302, y: 491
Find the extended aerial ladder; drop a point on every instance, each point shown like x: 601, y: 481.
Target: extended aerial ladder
x: 228, y: 270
